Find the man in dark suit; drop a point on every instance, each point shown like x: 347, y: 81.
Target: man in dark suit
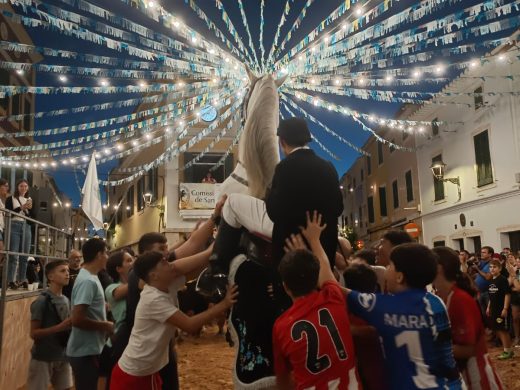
x: 302, y: 182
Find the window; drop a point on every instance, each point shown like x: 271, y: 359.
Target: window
x: 354, y: 181
x: 360, y: 211
x: 392, y: 147
x: 409, y: 187
x: 370, y: 202
x: 478, y: 98
x: 140, y: 192
x: 435, y: 127
x: 439, y: 243
x: 483, y: 159
x: 153, y: 183
x: 15, y: 109
x: 380, y: 158
x: 460, y: 243
x: 395, y: 192
x: 514, y: 241
x: 130, y: 201
x: 477, y: 244
x: 438, y: 185
x: 362, y: 175
x: 382, y: 201
x: 4, y: 80
x: 27, y: 117
x: 369, y: 166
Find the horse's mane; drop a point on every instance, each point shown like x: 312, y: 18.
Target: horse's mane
x: 258, y: 146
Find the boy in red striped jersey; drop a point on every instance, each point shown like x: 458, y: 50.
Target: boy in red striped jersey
x: 312, y: 338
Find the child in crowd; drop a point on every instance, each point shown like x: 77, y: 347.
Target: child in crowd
x: 368, y: 257
x: 89, y: 322
x: 467, y: 329
x: 370, y: 362
x: 412, y: 323
x: 498, y: 307
x: 50, y: 325
x: 312, y: 338
x: 156, y: 319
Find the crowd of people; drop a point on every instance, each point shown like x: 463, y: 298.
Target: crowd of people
x: 401, y: 316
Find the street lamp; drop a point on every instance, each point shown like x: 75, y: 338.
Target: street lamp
x: 438, y: 169
x: 148, y: 198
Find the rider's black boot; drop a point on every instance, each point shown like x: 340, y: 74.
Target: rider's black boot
x: 213, y: 281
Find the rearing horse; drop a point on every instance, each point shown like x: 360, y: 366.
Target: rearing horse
x: 253, y: 316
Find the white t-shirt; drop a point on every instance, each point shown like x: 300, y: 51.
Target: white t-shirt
x: 147, y: 349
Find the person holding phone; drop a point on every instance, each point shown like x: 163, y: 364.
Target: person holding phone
x: 20, y: 241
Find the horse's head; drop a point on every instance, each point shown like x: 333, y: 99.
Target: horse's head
x: 258, y: 147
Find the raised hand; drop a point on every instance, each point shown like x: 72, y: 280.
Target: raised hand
x: 231, y: 296
x: 218, y: 207
x: 294, y: 242
x: 312, y: 231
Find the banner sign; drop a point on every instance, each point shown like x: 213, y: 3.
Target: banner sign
x: 199, y: 196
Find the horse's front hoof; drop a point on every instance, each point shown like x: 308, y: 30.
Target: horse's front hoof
x: 212, y: 286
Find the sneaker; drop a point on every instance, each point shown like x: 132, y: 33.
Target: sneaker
x: 24, y: 285
x: 505, y: 355
x: 12, y: 286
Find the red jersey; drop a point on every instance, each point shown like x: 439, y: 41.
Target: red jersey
x: 467, y: 328
x: 312, y: 339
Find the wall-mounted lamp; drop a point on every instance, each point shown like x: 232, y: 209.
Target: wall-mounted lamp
x: 148, y: 198
x: 438, y: 168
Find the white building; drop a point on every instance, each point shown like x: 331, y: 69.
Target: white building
x: 483, y: 152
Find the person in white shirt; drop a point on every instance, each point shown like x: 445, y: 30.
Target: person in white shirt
x: 156, y: 319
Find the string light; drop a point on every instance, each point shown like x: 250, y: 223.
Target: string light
x: 106, y: 151
x: 501, y: 57
x: 119, y: 146
x: 19, y: 71
x: 389, y: 78
x: 63, y: 78
x: 103, y: 83
x: 337, y: 81
x: 439, y: 69
x: 148, y: 136
x: 358, y: 11
x: 135, y: 142
x: 416, y: 74
x: 84, y: 158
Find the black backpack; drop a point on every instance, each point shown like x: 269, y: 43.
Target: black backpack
x: 63, y: 337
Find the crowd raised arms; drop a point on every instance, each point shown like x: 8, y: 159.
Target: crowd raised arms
x: 398, y: 316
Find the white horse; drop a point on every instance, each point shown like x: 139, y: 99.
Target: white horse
x: 258, y: 152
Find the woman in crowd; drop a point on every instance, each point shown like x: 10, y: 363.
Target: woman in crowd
x: 467, y: 329
x: 4, y: 190
x: 20, y: 241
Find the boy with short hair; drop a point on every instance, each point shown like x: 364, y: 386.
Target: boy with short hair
x: 312, y: 338
x: 156, y: 319
x: 412, y: 323
x: 498, y: 307
x: 89, y: 322
x: 50, y: 323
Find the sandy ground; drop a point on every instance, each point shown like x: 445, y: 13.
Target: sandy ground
x: 205, y: 363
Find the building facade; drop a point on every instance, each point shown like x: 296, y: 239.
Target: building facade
x: 380, y: 190
x: 480, y: 146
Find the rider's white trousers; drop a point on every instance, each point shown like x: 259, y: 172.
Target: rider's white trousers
x: 242, y: 210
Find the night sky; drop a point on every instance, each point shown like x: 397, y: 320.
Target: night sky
x: 65, y: 177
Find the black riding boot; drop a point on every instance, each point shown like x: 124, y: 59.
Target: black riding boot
x: 212, y: 282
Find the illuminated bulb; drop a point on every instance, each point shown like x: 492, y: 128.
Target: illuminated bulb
x: 53, y: 164
x: 106, y: 151
x: 235, y: 67
x: 27, y: 165
x: 345, y: 111
x: 214, y: 80
x: 105, y: 206
x: 329, y: 107
x: 148, y: 136
x: 344, y: 26
x: 416, y: 74
x: 401, y: 127
x: 181, y: 84
x: 337, y: 81
x: 55, y: 204
x: 439, y: 69
x: 10, y: 163
x: 313, y: 81
x: 135, y: 142
x: 181, y: 122
x: 151, y: 4
x: 300, y: 57
x: 410, y: 128
x: 19, y: 71
x: 316, y: 102
x: 167, y: 130
x: 176, y: 24
x: 84, y: 158
x: 72, y: 161
x: 103, y: 83
x: 142, y: 84
x: 211, y: 51
x: 127, y: 208
x: 63, y: 79
x: 358, y: 11
x: 361, y: 81
x: 313, y: 49
x: 115, y: 207
x: 285, y: 71
x: 382, y: 121
x: 327, y: 39
x: 119, y: 146
x: 298, y: 96
x: 389, y: 78
x: 371, y: 118
x: 67, y: 204
x: 501, y: 57
x: 97, y: 155
x: 473, y: 64
x: 193, y: 39
x: 421, y: 129
x: 198, y: 113
x: 226, y: 59
x: 65, y: 162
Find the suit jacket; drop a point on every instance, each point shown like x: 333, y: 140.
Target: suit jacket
x: 304, y: 182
